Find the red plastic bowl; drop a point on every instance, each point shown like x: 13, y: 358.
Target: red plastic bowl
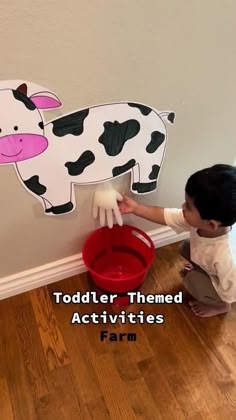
x: 118, y: 260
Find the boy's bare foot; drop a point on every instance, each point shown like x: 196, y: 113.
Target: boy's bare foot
x: 203, y: 310
x: 186, y: 269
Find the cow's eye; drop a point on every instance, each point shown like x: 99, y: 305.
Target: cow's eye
x: 0, y: 130
x: 16, y: 128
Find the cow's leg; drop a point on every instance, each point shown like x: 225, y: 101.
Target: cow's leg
x: 57, y: 196
x: 60, y: 198
x: 47, y: 205
x: 144, y: 178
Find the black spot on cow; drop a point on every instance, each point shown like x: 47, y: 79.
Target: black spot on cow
x: 116, y: 134
x: 157, y: 139
x: 155, y: 172
x: 77, y: 167
x: 22, y: 98
x: 70, y: 124
x: 143, y: 187
x: 34, y: 185
x: 171, y: 117
x: 63, y: 208
x: 41, y: 125
x: 145, y: 110
x: 118, y: 170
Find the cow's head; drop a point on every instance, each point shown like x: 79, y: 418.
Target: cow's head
x: 21, y: 123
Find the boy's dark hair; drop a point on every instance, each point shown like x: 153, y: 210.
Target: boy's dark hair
x: 213, y: 191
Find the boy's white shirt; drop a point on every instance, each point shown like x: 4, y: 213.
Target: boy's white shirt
x: 216, y: 256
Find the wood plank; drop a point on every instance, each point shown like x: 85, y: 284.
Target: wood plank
x: 34, y: 360
x: 5, y: 401
x: 15, y: 371
x: 142, y: 400
x: 115, y: 392
x: 140, y: 397
x: 80, y: 353
x: 50, y: 334
x: 208, y: 332
x: 97, y: 409
x: 83, y: 284
x: 62, y: 402
x: 140, y: 348
x: 165, y: 400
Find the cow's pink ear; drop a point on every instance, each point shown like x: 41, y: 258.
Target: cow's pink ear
x: 45, y: 100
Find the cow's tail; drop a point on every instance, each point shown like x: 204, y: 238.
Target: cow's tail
x: 168, y: 116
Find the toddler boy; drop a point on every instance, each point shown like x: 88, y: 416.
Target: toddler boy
x: 209, y: 214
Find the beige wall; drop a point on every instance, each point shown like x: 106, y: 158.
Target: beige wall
x: 178, y: 55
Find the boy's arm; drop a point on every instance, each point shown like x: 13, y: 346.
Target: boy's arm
x: 154, y: 214
x: 151, y: 213
x: 163, y: 216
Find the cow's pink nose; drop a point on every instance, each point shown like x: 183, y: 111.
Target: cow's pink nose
x: 18, y: 147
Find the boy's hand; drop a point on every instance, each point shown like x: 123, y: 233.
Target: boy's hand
x: 127, y: 205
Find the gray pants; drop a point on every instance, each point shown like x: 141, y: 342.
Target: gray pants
x: 197, y: 282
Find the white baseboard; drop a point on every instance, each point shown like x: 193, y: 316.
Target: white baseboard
x: 61, y: 269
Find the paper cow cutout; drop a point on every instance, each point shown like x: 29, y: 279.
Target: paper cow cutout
x: 87, y: 146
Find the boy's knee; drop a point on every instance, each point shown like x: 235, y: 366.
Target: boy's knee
x: 184, y: 249
x: 199, y: 285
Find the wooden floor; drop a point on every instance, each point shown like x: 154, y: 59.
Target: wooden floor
x: 50, y: 369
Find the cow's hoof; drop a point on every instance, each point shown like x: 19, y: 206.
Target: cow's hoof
x: 143, y: 187
x: 63, y: 208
